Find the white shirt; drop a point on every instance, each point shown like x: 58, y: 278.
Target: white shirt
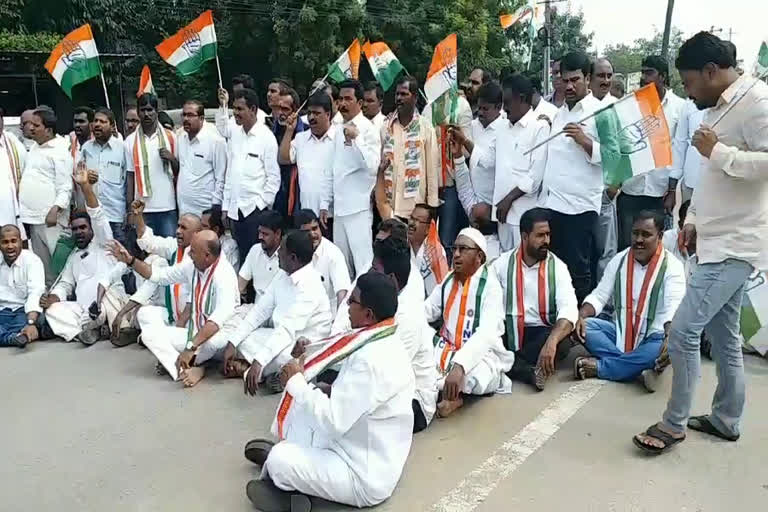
x: 9, y: 210
x: 672, y: 290
x: 515, y: 170
x: 45, y: 182
x: 147, y: 292
x: 378, y: 121
x: 482, y: 162
x: 22, y: 283
x: 330, y: 263
x: 298, y: 307
x: 86, y: 268
x: 259, y: 268
x: 163, y: 198
x: 230, y: 250
x: 573, y: 181
x: 314, y: 159
x: 226, y: 124
x: 418, y: 262
x: 167, y: 247
x: 109, y: 161
x: 565, y: 296
x: 686, y: 159
x: 656, y: 182
x: 368, y: 419
x: 202, y: 169
x: 545, y: 108
x: 253, y: 176
x: 354, y: 169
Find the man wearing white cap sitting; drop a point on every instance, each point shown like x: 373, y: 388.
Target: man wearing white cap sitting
x: 469, y: 352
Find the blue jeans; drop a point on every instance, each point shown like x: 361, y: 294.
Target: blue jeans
x: 614, y: 364
x: 452, y: 219
x: 11, y: 324
x: 118, y: 231
x: 162, y: 223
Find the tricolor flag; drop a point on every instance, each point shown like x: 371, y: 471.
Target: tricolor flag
x: 346, y: 66
x: 383, y: 62
x: 75, y: 59
x: 754, y: 312
x: 194, y: 44
x: 441, y: 86
x: 145, y: 83
x: 634, y: 136
x: 761, y: 66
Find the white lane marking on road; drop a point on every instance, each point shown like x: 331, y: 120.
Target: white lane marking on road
x: 481, y: 481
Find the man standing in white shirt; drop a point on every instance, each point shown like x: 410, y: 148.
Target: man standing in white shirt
x: 573, y: 178
x: 349, y: 446
x: 518, y: 176
x: 183, y: 351
x: 22, y: 283
x: 151, y: 158
x: 650, y: 191
x: 82, y: 121
x: 212, y: 220
x: 356, y: 157
x: 253, y: 175
x: 202, y: 162
x: 686, y: 159
x: 131, y: 121
x: 105, y: 155
x: 539, y: 337
x: 12, y: 157
x: 225, y: 124
x: 47, y: 178
x: 373, y: 97
x: 654, y: 281
x: 312, y: 153
x: 600, y: 84
x: 540, y: 106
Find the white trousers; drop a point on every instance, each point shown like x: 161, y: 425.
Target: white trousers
x: 485, y: 378
x: 509, y: 236
x: 68, y: 319
x: 353, y: 235
x: 251, y: 349
x: 167, y: 342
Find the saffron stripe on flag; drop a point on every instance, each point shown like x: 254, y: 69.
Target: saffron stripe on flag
x: 661, y: 144
x: 170, y: 45
x: 76, y: 36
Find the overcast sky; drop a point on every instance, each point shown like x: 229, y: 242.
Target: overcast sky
x: 623, y: 21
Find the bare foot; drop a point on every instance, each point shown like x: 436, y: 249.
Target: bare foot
x: 446, y: 408
x: 647, y: 440
x: 192, y: 376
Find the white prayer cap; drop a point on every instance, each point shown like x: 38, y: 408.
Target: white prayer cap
x: 477, y: 237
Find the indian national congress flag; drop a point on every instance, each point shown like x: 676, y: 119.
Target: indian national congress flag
x: 383, y: 62
x: 347, y: 65
x: 634, y: 136
x: 75, y: 59
x: 441, y: 85
x: 762, y: 59
x: 194, y: 44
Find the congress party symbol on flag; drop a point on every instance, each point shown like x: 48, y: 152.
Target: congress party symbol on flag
x: 634, y: 136
x: 145, y: 82
x: 384, y: 64
x: 347, y: 65
x: 442, y: 75
x: 75, y: 59
x: 191, y: 46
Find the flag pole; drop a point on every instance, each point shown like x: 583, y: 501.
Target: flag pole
x: 218, y: 68
x: 313, y: 91
x: 104, y: 84
x: 730, y: 107
x: 421, y: 91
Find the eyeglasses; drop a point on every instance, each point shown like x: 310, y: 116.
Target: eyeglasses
x: 353, y: 301
x: 187, y: 114
x: 413, y: 219
x: 463, y: 248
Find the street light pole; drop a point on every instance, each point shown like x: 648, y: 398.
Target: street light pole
x: 667, y: 28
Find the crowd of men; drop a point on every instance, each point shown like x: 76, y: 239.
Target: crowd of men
x: 289, y: 249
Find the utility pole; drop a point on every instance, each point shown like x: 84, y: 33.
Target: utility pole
x: 547, y: 45
x: 667, y: 28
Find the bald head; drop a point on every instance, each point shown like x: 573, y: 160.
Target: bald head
x: 205, y: 249
x: 11, y: 228
x: 189, y: 224
x: 10, y: 243
x: 602, y: 74
x: 26, y: 120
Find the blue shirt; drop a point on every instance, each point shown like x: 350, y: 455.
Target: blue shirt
x: 109, y: 161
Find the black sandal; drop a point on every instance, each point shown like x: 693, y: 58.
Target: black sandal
x: 702, y: 424
x: 655, y: 432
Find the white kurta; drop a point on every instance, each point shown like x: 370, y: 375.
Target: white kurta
x: 168, y: 247
x: 10, y: 149
x: 350, y: 447
x: 332, y: 267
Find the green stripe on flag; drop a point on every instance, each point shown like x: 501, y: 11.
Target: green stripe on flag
x: 614, y: 152
x: 386, y: 75
x: 81, y: 71
x: 750, y: 323
x: 335, y: 73
x: 194, y: 63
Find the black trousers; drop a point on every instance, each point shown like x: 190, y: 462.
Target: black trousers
x: 627, y: 207
x: 419, y: 420
x: 526, y: 358
x: 245, y: 231
x: 572, y: 242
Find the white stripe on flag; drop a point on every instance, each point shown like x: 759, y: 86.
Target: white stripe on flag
x: 207, y: 36
x: 89, y: 50
x: 642, y: 160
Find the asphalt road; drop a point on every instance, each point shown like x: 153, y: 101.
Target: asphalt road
x: 94, y: 429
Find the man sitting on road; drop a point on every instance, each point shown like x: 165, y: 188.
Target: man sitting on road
x: 647, y: 284
x: 211, y: 219
x: 539, y: 301
x: 22, y: 282
x: 469, y: 353
x: 297, y: 304
x: 88, y: 266
x: 425, y: 255
x: 349, y: 446
x: 183, y: 351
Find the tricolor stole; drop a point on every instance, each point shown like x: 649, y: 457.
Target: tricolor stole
x: 412, y: 158
x: 141, y: 159
x: 459, y: 324
x: 515, y: 313
x: 202, y: 300
x: 628, y: 319
x: 14, y: 162
x: 173, y: 292
x: 333, y: 350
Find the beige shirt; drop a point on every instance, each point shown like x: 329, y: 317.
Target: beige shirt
x: 730, y: 204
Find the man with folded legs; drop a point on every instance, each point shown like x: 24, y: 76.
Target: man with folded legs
x: 22, y: 282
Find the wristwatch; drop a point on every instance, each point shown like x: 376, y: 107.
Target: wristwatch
x: 30, y: 321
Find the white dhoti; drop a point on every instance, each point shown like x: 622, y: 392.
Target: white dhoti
x: 167, y: 342
x: 152, y: 316
x: 251, y: 349
x: 487, y: 377
x: 68, y: 319
x: 352, y: 234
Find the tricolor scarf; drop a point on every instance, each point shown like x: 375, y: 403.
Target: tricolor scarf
x: 412, y: 160
x: 460, y: 319
x: 515, y: 314
x: 630, y: 317
x: 202, y: 300
x: 173, y: 292
x: 331, y: 350
x: 166, y: 140
x: 15, y: 164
